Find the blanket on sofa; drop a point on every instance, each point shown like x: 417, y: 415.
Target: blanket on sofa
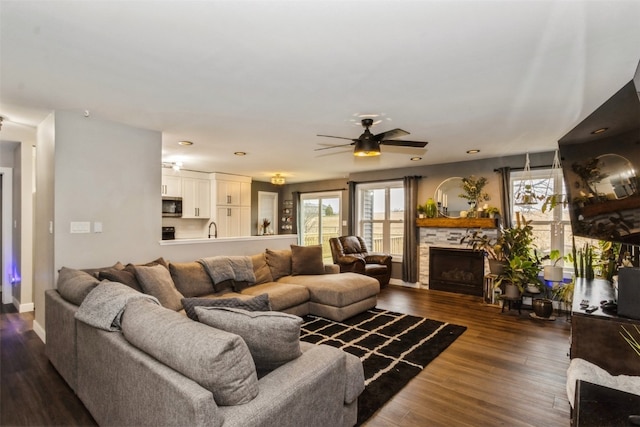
x: 104, y: 305
x: 221, y: 268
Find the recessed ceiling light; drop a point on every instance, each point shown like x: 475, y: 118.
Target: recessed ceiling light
x: 474, y: 151
x: 601, y: 130
x: 415, y: 159
x: 185, y: 143
x: 240, y: 153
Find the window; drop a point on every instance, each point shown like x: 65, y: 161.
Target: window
x: 552, y: 228
x: 380, y: 217
x: 320, y: 220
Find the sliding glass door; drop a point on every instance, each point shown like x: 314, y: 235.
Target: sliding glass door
x: 320, y: 220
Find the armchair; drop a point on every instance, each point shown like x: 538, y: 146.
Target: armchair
x: 350, y: 253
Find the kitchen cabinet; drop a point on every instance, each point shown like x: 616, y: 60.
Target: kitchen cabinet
x: 233, y: 221
x: 171, y: 186
x: 233, y: 205
x: 196, y: 198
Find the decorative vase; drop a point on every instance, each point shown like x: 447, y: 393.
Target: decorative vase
x: 432, y: 208
x: 543, y: 307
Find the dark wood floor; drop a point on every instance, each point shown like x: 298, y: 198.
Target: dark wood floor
x: 505, y: 370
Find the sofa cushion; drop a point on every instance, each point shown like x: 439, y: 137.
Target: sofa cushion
x: 191, y: 279
x: 126, y: 276
x: 261, y: 268
x: 258, y: 303
x: 273, y: 338
x: 306, y: 260
x: 217, y: 360
x: 279, y: 262
x: 281, y: 295
x: 156, y: 281
x: 74, y: 285
x: 336, y: 290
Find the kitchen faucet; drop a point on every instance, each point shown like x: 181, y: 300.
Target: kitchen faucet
x: 215, y: 233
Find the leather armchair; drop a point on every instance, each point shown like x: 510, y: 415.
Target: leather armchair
x: 350, y: 253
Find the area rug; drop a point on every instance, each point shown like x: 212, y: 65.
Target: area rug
x: 393, y: 348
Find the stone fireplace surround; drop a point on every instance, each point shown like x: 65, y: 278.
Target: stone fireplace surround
x: 444, y: 237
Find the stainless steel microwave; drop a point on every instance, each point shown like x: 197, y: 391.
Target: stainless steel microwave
x: 172, y: 206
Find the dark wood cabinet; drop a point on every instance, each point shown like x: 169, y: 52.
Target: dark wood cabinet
x: 596, y: 337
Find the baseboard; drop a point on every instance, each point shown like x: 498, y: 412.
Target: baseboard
x: 40, y: 332
x: 22, y: 308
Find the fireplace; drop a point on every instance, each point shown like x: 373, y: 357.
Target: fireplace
x: 456, y: 270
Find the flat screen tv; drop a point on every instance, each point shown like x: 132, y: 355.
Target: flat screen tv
x: 601, y: 167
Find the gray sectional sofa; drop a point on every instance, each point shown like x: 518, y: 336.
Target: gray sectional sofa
x: 153, y: 365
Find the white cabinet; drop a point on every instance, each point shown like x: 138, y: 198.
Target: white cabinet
x: 196, y: 198
x: 233, y: 205
x: 233, y: 221
x: 171, y: 186
x: 233, y: 193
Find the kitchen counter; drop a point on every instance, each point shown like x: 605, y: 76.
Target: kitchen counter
x: 184, y: 250
x: 212, y: 240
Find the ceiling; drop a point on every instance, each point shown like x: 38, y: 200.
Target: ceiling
x: 265, y: 77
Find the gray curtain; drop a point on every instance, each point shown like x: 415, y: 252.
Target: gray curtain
x: 410, y: 250
x: 505, y: 195
x: 351, y: 223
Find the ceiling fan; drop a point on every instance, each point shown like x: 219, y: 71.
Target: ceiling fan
x: 368, y: 144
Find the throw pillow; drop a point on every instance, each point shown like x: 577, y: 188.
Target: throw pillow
x: 215, y: 359
x: 306, y: 260
x: 261, y: 268
x: 279, y: 262
x: 95, y: 271
x: 126, y: 276
x: 156, y: 281
x: 273, y: 337
x: 74, y: 285
x: 191, y: 279
x: 258, y: 303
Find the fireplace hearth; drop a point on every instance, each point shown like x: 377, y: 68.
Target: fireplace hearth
x: 456, y: 270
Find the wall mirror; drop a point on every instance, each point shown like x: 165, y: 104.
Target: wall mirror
x: 447, y: 194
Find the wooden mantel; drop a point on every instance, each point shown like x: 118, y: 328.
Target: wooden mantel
x: 443, y: 222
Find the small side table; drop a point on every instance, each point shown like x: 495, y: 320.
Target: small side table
x: 597, y: 406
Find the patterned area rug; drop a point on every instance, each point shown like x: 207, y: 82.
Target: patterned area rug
x: 393, y: 347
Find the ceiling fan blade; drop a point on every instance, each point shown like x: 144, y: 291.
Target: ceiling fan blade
x: 393, y: 133
x: 402, y: 143
x: 333, y: 146
x: 339, y: 137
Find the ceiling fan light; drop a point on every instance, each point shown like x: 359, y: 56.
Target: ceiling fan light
x: 366, y: 148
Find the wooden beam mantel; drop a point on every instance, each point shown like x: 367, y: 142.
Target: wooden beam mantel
x: 443, y: 222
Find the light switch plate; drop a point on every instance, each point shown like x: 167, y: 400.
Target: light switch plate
x: 80, y: 227
x: 97, y: 227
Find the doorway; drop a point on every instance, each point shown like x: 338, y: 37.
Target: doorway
x: 6, y: 209
x: 267, y: 213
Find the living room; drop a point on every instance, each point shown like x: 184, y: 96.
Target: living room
x: 92, y: 166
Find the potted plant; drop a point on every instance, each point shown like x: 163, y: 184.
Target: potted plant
x: 492, y: 211
x: 422, y: 210
x: 517, y: 274
x: 553, y: 272
x: 490, y: 246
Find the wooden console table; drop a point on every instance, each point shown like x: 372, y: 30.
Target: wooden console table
x: 595, y: 336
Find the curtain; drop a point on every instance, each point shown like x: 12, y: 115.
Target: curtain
x: 410, y: 250
x: 295, y: 197
x: 505, y: 195
x: 351, y: 220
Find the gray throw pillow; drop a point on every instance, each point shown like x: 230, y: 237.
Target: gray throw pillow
x: 156, y: 281
x: 306, y: 260
x: 279, y: 262
x: 74, y: 285
x: 215, y: 359
x: 257, y: 303
x: 191, y: 279
x: 126, y: 276
x: 273, y: 337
